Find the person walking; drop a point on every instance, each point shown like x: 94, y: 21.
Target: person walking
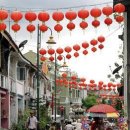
x: 53, y: 126
x: 69, y: 126
x: 78, y: 125
x: 31, y: 123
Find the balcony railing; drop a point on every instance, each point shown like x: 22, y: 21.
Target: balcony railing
x: 20, y: 87
x: 12, y: 83
x: 75, y: 100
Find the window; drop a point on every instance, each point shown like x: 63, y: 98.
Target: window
x: 21, y: 73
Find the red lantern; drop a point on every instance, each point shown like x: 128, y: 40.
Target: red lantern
x: 61, y: 108
x: 70, y: 15
x: 109, y: 84
x: 42, y: 51
x: 95, y: 12
x: 107, y: 10
x: 76, y: 54
x: 82, y: 79
x: 76, y: 47
x: 101, y: 39
x: 15, y: 27
x: 83, y: 25
x: 30, y: 16
x: 43, y: 16
x: 83, y: 14
x: 92, y: 81
x: 3, y: 15
x: 51, y: 51
x: 59, y: 57
x: 31, y: 28
x: 114, y: 85
x: 51, y: 58
x: 43, y: 58
x: 104, y: 85
x: 73, y: 77
x: 94, y: 49
x: 64, y: 75
x: 85, y: 52
x: 2, y: 27
x: 95, y: 23
x: 85, y: 45
x: 58, y: 27
x: 119, y: 8
x: 43, y: 28
x: 70, y: 26
x: 68, y: 56
x: 58, y: 16
x: 108, y: 21
x: 16, y: 16
x: 101, y: 46
x: 68, y: 49
x: 119, y: 18
x: 119, y: 85
x: 59, y: 50
x: 100, y: 82
x: 93, y: 42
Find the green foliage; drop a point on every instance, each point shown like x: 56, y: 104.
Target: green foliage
x: 118, y: 107
x: 44, y: 119
x: 22, y: 118
x: 90, y: 100
x: 103, y: 101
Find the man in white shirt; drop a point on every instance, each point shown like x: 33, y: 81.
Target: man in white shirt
x: 78, y: 125
x: 69, y: 126
x: 32, y: 122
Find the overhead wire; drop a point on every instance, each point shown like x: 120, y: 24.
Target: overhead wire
x: 9, y: 8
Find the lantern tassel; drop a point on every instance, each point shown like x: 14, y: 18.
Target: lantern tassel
x: 15, y: 35
x: 30, y: 35
x: 70, y: 33
x: 108, y: 28
x: 58, y: 34
x: 84, y: 31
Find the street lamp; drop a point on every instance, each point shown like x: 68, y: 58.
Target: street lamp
x: 64, y: 65
x: 50, y: 41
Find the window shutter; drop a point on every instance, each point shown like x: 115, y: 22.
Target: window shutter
x: 21, y: 73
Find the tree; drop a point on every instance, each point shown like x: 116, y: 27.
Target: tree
x: 90, y: 100
x: 44, y: 118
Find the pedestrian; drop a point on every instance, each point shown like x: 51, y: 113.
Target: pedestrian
x: 31, y: 123
x: 85, y: 125
x: 53, y: 126
x: 74, y: 123
x: 78, y: 125
x: 69, y: 126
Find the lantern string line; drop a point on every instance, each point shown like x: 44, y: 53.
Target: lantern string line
x: 114, y: 31
x: 50, y: 9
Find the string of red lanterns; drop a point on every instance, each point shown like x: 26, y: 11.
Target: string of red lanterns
x: 58, y: 16
x: 76, y: 48
x: 79, y: 83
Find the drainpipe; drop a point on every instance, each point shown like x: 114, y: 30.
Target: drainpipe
x: 9, y: 90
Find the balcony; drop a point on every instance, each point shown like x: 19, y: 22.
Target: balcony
x: 75, y: 100
x: 12, y: 83
x: 20, y: 87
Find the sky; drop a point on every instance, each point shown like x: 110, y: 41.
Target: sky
x: 92, y: 66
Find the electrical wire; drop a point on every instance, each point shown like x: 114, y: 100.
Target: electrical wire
x: 9, y: 8
x: 105, y: 36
